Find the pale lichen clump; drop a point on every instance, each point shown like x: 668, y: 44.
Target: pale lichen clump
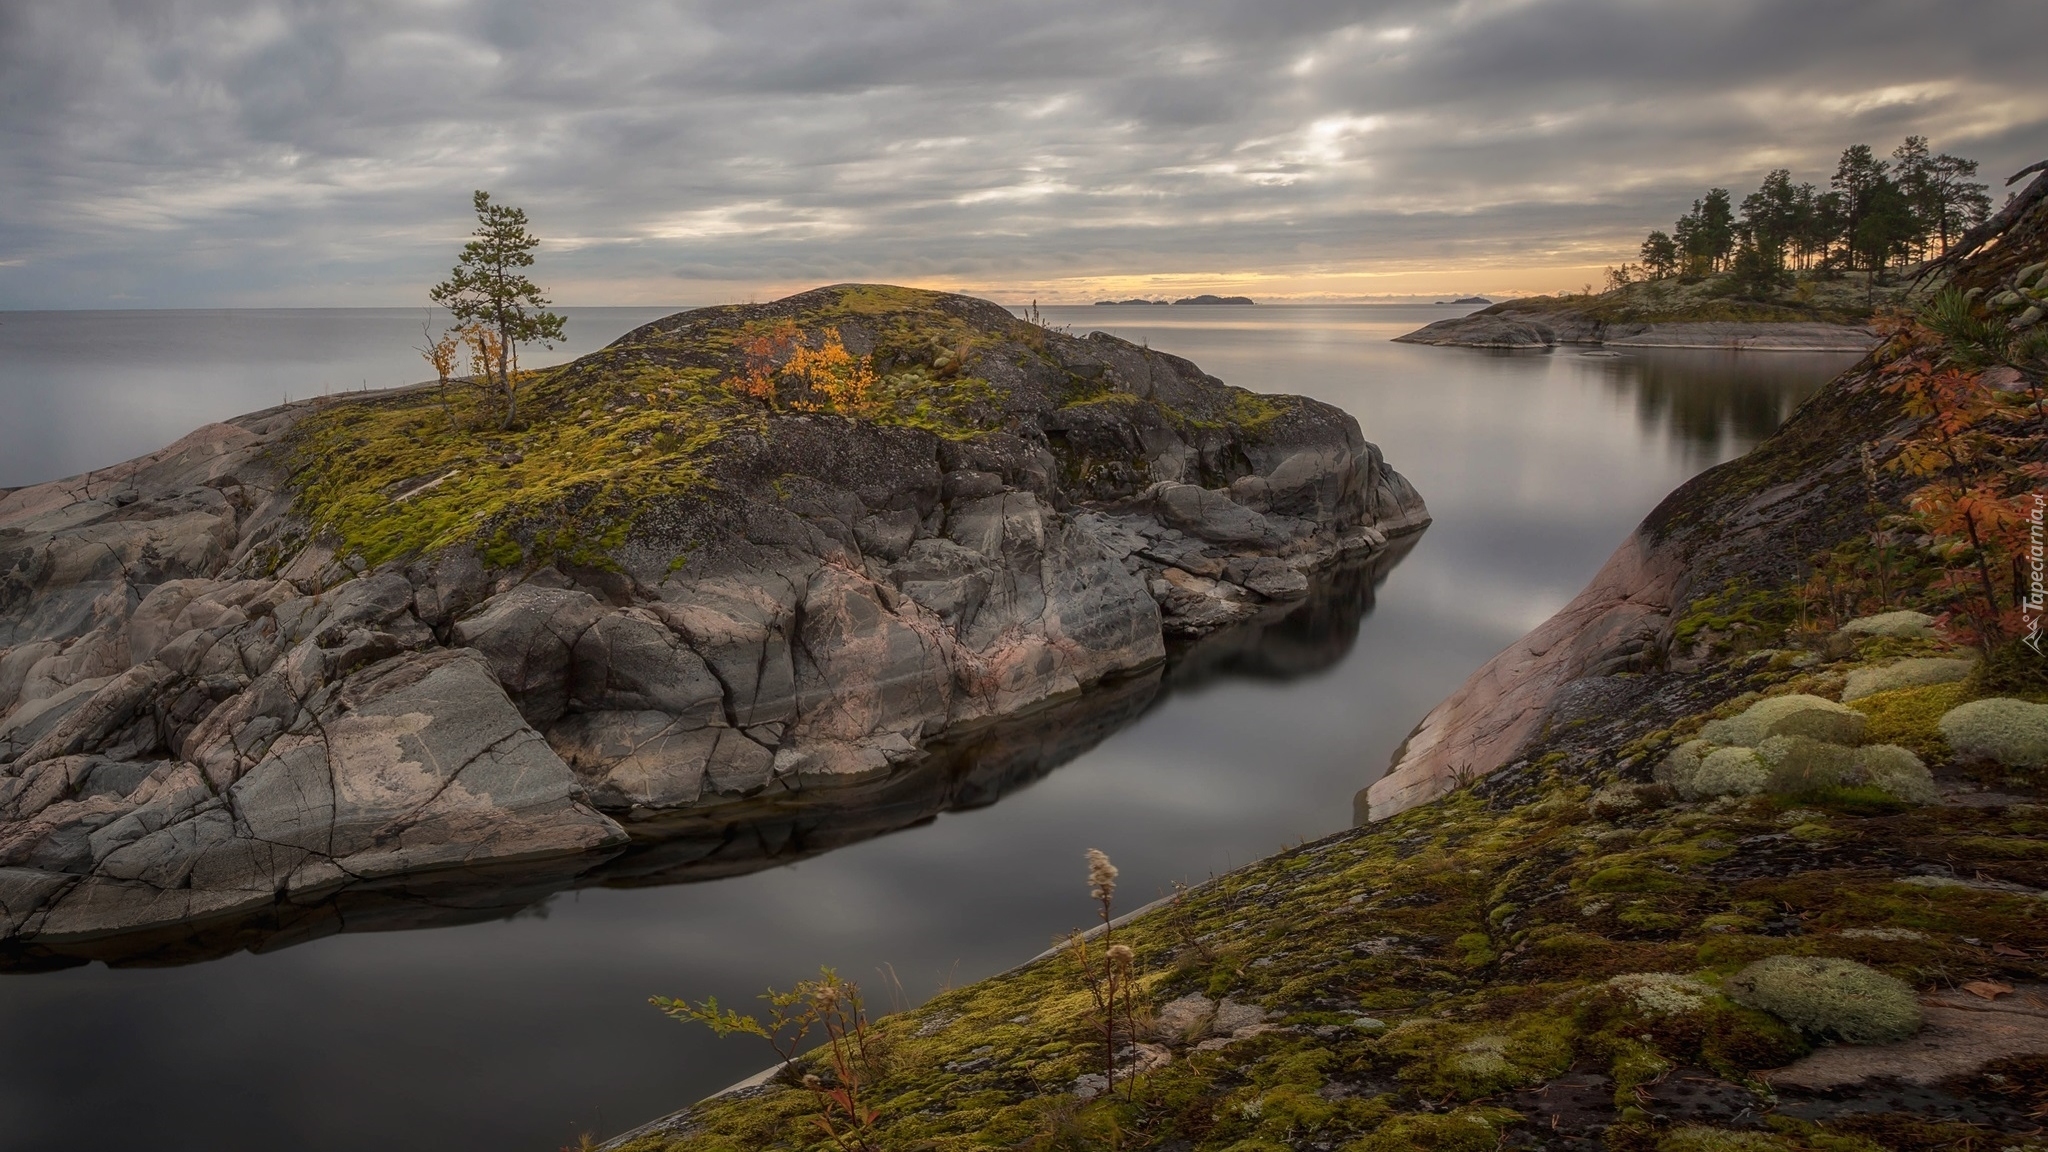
x: 1662, y: 993
x: 1829, y: 997
x: 1912, y: 672
x: 1786, y: 760
x: 2012, y: 732
x: 1792, y: 715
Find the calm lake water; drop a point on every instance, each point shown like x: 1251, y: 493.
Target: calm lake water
x: 518, y: 1033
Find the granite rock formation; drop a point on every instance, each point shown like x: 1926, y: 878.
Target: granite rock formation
x: 231, y: 677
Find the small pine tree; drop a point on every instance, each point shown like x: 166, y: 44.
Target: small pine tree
x: 488, y: 289
x: 1660, y: 255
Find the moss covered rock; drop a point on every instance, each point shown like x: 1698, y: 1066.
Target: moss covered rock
x: 2011, y: 732
x: 1829, y: 998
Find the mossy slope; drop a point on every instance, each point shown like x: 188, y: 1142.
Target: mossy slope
x: 1463, y: 976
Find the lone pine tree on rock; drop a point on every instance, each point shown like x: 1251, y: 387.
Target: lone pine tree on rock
x: 487, y: 288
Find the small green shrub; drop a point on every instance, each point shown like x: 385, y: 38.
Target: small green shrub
x: 1794, y: 715
x: 2012, y: 669
x: 1828, y: 997
x: 2012, y: 732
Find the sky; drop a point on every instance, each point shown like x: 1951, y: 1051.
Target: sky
x: 294, y: 153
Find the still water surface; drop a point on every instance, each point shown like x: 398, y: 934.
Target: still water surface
x: 519, y: 1033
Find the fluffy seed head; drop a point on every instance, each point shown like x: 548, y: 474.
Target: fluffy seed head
x: 1101, y: 875
x: 1120, y: 955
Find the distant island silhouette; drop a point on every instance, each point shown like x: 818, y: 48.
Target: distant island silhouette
x: 1467, y: 300
x: 1205, y: 298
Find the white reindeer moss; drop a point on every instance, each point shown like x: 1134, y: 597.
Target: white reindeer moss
x: 1911, y: 673
x: 1898, y: 772
x: 1794, y: 715
x: 2012, y: 732
x: 1905, y: 624
x: 1829, y: 998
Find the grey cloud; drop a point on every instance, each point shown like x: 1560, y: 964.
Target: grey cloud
x: 253, y: 151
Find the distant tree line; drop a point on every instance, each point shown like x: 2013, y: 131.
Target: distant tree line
x: 1873, y: 215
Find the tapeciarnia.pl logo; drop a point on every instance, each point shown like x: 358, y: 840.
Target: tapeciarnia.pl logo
x: 2037, y: 562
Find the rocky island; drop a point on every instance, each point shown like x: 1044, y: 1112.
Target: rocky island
x: 746, y: 553
x: 1668, y: 314
x: 1742, y: 850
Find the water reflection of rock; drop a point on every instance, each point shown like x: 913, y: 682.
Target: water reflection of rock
x: 969, y: 770
x: 1710, y: 401
x: 1304, y: 638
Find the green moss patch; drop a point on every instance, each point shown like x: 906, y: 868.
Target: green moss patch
x: 419, y: 470
x: 1910, y: 717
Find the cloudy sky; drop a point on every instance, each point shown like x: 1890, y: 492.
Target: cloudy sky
x: 192, y: 153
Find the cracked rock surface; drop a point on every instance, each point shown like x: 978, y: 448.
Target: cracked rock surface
x: 208, y: 707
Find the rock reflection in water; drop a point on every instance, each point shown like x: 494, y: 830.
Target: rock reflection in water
x: 971, y: 769
x: 1707, y: 401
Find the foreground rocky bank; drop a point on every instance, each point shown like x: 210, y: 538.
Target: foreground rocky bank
x: 1745, y: 850
x: 745, y: 554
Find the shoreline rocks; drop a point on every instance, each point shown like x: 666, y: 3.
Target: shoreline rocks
x: 1504, y: 327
